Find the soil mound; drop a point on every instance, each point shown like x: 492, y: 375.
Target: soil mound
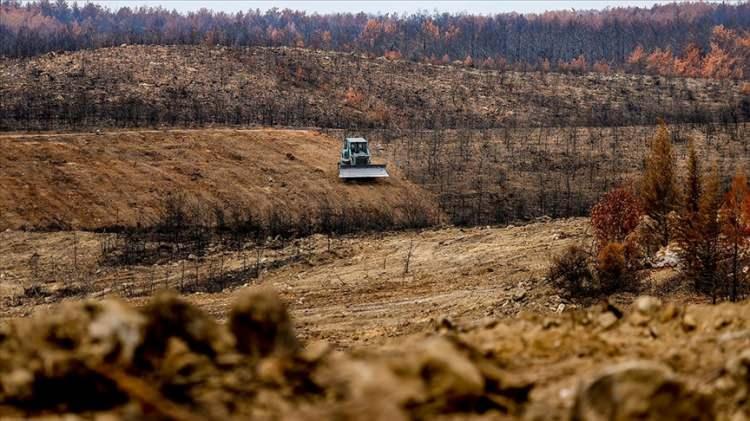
x: 95, y: 181
x: 169, y: 359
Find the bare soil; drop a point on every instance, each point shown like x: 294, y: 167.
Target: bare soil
x: 355, y: 294
x: 169, y: 359
x: 94, y: 181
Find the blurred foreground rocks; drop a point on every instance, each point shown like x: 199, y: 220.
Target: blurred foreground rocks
x: 170, y: 360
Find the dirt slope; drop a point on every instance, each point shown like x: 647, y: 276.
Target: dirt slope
x: 89, y: 181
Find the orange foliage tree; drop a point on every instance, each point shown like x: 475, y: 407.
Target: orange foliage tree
x: 734, y: 218
x: 718, y: 63
x: 637, y: 59
x: 601, y: 66
x: 697, y: 229
x: 660, y: 62
x: 658, y: 191
x: 691, y: 62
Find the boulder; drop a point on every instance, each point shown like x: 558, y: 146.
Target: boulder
x: 642, y: 390
x: 261, y: 324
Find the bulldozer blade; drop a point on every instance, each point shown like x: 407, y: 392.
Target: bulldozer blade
x: 370, y: 171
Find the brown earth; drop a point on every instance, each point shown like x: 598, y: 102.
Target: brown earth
x: 169, y: 360
x: 93, y: 181
x: 355, y: 294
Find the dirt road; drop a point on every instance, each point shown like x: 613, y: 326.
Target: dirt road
x: 359, y: 292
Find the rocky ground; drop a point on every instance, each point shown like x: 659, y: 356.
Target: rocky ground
x: 170, y: 360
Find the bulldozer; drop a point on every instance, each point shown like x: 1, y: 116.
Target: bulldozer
x: 355, y: 161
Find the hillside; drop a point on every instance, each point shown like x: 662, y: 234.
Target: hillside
x: 502, y: 176
x: 682, y: 38
x: 198, y: 85
x: 96, y: 181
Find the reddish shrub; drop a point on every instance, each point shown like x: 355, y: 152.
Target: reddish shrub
x: 615, y: 216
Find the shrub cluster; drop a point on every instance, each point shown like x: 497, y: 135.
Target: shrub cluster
x: 707, y: 226
x: 579, y: 273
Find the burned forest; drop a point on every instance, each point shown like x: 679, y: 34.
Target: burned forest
x: 310, y: 214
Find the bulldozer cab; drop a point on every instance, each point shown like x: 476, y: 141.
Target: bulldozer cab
x: 359, y: 147
x: 355, y: 161
x: 355, y: 151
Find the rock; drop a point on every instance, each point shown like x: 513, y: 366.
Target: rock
x: 666, y: 257
x: 736, y: 380
x: 739, y: 367
x: 18, y: 385
x: 550, y: 323
x: 722, y: 322
x: 447, y: 372
x: 47, y: 361
x: 639, y: 390
x: 315, y: 351
x: 639, y: 319
x: 607, y: 320
x: 170, y: 316
x: 519, y: 294
x: 261, y: 324
x: 689, y: 323
x: 116, y: 332
x: 669, y: 312
x: 374, y: 388
x: 444, y: 323
x: 647, y: 305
